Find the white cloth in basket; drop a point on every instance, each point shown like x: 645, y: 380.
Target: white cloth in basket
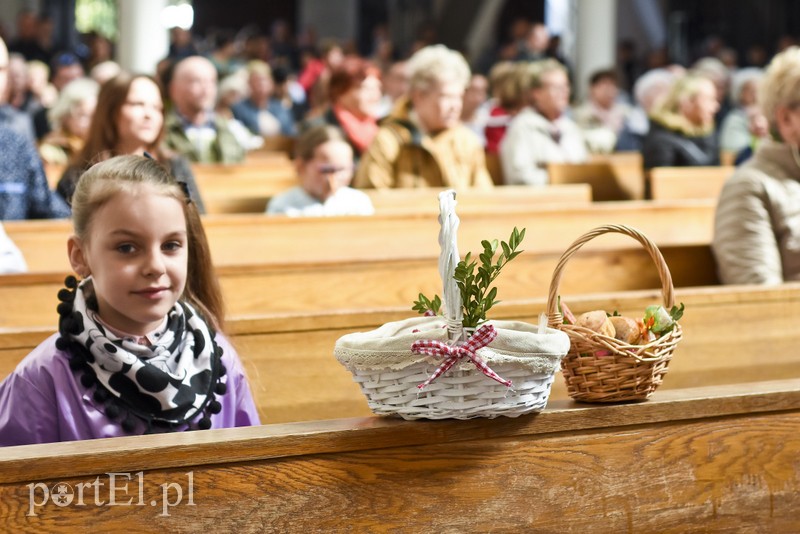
x: 390, y: 346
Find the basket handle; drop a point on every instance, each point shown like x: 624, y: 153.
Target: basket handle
x: 667, y: 289
x: 448, y: 260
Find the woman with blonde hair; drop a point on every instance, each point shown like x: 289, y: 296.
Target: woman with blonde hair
x: 423, y: 142
x: 757, y: 223
x: 682, y: 127
x: 70, y: 117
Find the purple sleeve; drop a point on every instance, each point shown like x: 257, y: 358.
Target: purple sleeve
x: 241, y: 409
x: 27, y: 413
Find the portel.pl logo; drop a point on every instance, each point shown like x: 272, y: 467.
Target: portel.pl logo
x: 110, y: 489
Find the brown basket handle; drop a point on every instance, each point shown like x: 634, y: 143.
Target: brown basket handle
x: 554, y: 316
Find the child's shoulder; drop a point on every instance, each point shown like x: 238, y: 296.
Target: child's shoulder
x: 45, y: 363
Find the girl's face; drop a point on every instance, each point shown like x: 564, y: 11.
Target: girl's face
x: 330, y: 169
x: 136, y: 252
x: 140, y: 117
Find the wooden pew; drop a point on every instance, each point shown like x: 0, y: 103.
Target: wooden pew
x: 400, y: 201
x: 732, y: 335
x: 679, y: 183
x: 617, y: 176
x: 244, y: 188
x: 721, y: 458
x: 315, y: 287
x: 248, y: 194
x: 257, y: 239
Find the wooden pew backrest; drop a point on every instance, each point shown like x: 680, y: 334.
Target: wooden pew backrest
x: 256, y: 239
x: 294, y: 376
x: 681, y: 183
x: 611, y: 176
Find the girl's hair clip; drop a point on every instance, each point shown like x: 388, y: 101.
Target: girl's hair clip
x: 148, y: 155
x: 185, y: 188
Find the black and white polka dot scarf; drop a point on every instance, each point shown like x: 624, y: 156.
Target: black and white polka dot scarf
x: 168, y: 384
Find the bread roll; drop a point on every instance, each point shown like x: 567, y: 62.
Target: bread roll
x: 625, y: 329
x: 597, y: 321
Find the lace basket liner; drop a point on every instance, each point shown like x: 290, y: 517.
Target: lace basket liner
x: 389, y: 373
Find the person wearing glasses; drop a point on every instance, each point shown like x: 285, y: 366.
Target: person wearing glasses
x: 541, y: 133
x: 325, y: 168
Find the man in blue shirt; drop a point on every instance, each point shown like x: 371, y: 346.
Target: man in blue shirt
x: 260, y: 112
x: 24, y: 191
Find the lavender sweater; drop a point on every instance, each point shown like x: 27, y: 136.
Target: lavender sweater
x: 43, y: 401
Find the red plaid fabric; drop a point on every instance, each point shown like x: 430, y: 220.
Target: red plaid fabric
x: 452, y: 353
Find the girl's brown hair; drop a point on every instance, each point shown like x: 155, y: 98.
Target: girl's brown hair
x: 124, y: 174
x: 308, y: 142
x: 103, y: 135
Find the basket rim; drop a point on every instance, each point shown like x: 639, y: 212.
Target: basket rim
x: 555, y: 318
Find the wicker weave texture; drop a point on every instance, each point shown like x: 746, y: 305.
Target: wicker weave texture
x: 599, y: 368
x: 458, y: 394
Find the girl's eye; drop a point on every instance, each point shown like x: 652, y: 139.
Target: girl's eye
x: 125, y: 248
x: 172, y: 245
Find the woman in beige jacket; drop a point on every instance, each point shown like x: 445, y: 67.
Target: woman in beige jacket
x: 423, y: 142
x: 757, y: 226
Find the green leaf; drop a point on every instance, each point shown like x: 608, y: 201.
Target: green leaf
x: 676, y: 313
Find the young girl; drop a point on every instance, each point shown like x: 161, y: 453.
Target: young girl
x: 325, y: 169
x: 137, y: 349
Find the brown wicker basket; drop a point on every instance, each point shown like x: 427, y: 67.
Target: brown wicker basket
x: 599, y: 368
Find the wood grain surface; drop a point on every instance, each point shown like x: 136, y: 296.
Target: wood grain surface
x: 690, y: 460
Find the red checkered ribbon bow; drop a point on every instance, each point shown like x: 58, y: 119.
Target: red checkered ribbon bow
x: 452, y: 353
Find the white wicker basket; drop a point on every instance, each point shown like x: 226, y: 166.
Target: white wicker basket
x: 390, y: 374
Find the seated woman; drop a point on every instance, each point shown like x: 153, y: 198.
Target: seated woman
x: 506, y: 79
x: 129, y: 119
x: 542, y: 133
x: 757, y: 223
x: 354, y: 90
x: 324, y: 162
x: 423, y: 142
x: 70, y: 118
x: 734, y: 134
x: 682, y: 127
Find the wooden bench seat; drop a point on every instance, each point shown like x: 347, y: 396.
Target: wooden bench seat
x: 718, y: 458
x: 731, y: 335
x: 257, y: 239
x: 680, y: 183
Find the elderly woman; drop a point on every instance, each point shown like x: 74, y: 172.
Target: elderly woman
x: 70, y: 117
x: 735, y: 132
x: 682, y: 128
x: 423, y: 142
x: 542, y: 133
x: 757, y: 225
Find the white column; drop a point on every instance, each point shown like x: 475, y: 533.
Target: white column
x: 143, y: 40
x: 595, y: 40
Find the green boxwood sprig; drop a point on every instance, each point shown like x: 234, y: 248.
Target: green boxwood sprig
x: 477, y: 294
